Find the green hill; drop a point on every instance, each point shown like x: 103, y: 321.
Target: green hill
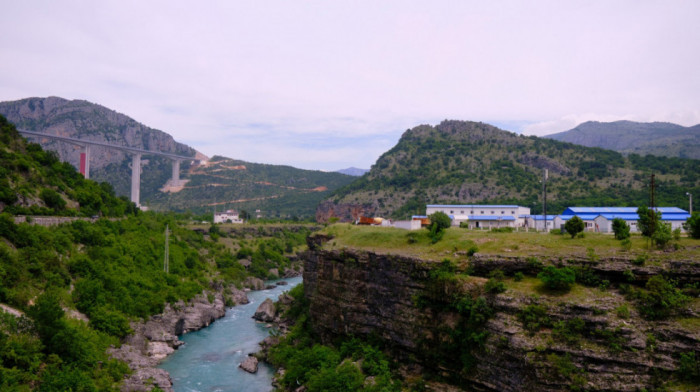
x: 470, y: 162
x: 36, y: 182
x: 657, y: 138
x: 277, y: 191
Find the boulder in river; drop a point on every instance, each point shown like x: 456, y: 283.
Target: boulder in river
x: 266, y: 311
x: 250, y: 364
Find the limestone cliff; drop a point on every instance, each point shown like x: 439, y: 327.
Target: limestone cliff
x: 394, y: 299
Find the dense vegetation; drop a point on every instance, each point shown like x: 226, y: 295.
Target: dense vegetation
x: 343, y: 366
x: 467, y: 162
x: 35, y: 182
x: 109, y: 269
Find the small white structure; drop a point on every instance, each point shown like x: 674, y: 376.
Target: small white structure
x: 540, y: 222
x: 407, y: 224
x: 228, y: 216
x: 482, y: 216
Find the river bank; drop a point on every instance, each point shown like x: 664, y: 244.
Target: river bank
x: 156, y: 338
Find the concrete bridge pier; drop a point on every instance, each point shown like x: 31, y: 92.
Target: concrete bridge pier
x: 136, y: 178
x: 176, y: 172
x: 85, y: 161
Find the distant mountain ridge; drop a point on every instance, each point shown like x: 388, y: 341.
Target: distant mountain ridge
x: 655, y: 138
x: 466, y: 162
x: 353, y: 171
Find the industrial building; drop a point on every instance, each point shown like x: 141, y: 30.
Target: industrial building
x: 478, y: 216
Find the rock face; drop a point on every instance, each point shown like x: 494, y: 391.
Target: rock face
x: 363, y: 294
x: 250, y: 364
x: 157, y: 338
x: 266, y: 311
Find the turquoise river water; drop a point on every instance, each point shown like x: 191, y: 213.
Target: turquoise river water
x: 208, y: 362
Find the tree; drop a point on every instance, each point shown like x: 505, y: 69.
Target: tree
x: 574, y: 226
x: 621, y: 229
x: 662, y: 235
x: 693, y: 225
x: 647, y: 220
x: 439, y: 221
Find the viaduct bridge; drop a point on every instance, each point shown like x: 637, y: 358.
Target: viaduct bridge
x: 136, y: 154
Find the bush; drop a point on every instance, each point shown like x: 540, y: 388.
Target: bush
x: 495, y: 284
x: 693, y: 225
x: 661, y: 299
x: 574, y: 226
x: 621, y: 229
x: 555, y: 231
x: 439, y: 222
x: 52, y: 199
x: 534, y: 317
x: 560, y: 279
x: 689, y: 367
x: 662, y: 235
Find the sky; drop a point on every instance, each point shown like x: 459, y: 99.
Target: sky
x: 331, y: 84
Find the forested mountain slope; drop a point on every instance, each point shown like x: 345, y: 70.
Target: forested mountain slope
x: 277, y: 191
x: 469, y: 162
x: 657, y: 138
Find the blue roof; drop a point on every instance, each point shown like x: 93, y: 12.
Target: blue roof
x: 471, y: 206
x: 618, y: 210
x: 540, y: 217
x: 627, y: 217
x: 419, y: 216
x: 491, y: 217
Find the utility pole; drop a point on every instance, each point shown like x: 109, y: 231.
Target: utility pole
x: 166, y: 258
x: 690, y: 202
x: 545, y: 174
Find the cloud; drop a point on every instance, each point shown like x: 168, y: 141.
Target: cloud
x: 321, y: 76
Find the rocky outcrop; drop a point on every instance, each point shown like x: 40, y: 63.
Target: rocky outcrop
x: 395, y: 300
x: 157, y: 337
x: 266, y: 311
x: 250, y: 364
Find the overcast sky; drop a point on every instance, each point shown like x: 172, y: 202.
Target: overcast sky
x: 331, y: 84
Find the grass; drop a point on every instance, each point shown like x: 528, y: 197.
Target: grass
x: 396, y: 241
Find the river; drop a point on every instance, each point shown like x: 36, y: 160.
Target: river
x: 208, y: 362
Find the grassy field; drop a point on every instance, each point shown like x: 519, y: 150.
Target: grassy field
x: 417, y: 243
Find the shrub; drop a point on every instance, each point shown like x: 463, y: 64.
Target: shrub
x: 472, y: 249
x: 689, y: 367
x: 560, y: 279
x: 555, y: 231
x: 693, y: 225
x: 534, y: 317
x: 640, y: 260
x: 495, y: 284
x: 647, y: 220
x: 518, y: 276
x: 662, y: 235
x: 574, y: 226
x: 439, y: 222
x: 52, y: 199
x: 569, y: 331
x: 661, y: 299
x: 626, y: 244
x: 621, y: 229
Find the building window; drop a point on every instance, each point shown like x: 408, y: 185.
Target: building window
x: 452, y: 212
x: 503, y: 212
x: 512, y: 212
x: 482, y: 212
x: 472, y: 212
x: 461, y: 212
x: 491, y: 212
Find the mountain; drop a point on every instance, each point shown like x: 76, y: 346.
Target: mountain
x: 353, y: 171
x: 82, y: 119
x: 470, y: 162
x: 657, y: 138
x: 278, y: 191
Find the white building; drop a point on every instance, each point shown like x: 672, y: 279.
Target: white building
x: 482, y: 216
x: 229, y: 216
x: 599, y: 219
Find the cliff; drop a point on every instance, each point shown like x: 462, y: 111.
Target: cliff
x: 525, y: 338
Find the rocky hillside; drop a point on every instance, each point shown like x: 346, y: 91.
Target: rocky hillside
x: 83, y: 119
x: 657, y: 138
x: 469, y: 162
x: 613, y: 330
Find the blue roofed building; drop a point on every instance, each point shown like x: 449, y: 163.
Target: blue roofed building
x: 479, y: 216
x: 599, y: 219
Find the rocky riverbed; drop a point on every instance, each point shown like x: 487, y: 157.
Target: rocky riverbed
x: 157, y: 337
